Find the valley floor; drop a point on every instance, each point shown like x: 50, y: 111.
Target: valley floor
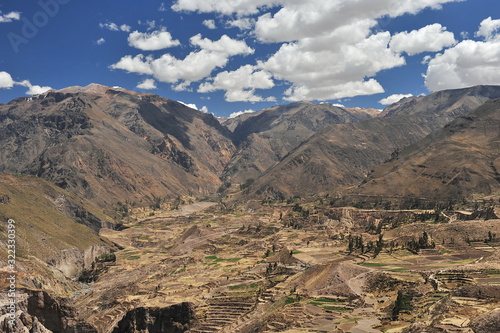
x: 273, y: 269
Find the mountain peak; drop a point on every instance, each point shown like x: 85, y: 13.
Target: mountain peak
x: 93, y: 88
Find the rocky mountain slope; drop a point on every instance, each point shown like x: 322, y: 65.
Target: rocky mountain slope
x: 451, y: 103
x: 265, y: 137
x: 341, y: 156
x: 455, y: 162
x: 110, y: 144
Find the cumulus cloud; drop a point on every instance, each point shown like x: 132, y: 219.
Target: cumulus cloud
x: 240, y: 84
x: 329, y: 49
x: 100, y: 41
x: 33, y: 89
x: 203, y: 109
x: 225, y: 45
x: 467, y: 64
x: 210, y: 24
x: 241, y: 7
x: 9, y: 17
x: 332, y: 73
x: 156, y: 40
x: 394, y: 99
x: 239, y: 113
x: 326, y: 49
x: 6, y: 81
x: 115, y: 27
x: 138, y: 64
x: 313, y: 18
x: 244, y: 23
x: 488, y: 29
x: 37, y: 90
x: 147, y: 84
x: 194, y: 67
x: 432, y: 38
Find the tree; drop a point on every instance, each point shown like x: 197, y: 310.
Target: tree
x: 402, y: 303
x: 379, y: 245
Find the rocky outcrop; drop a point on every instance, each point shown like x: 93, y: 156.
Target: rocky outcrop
x: 71, y: 262
x: 39, y: 312
x: 177, y: 318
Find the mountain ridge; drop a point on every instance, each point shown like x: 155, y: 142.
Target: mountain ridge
x: 99, y: 144
x: 342, y: 156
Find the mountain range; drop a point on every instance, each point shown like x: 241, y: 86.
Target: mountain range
x: 113, y: 145
x: 110, y: 145
x: 342, y: 156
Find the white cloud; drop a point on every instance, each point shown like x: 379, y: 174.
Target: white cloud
x: 37, y: 90
x: 138, y: 64
x: 242, y: 7
x: 163, y: 7
x: 182, y: 86
x: 394, y: 99
x: 488, y: 29
x: 242, y: 23
x: 114, y: 27
x: 340, y: 70
x: 6, y: 81
x: 327, y: 49
x: 240, y: 84
x: 246, y: 95
x: 431, y: 38
x: 194, y: 67
x: 239, y: 113
x: 167, y: 68
x: 125, y: 28
x: 210, y: 24
x: 100, y: 41
x: 225, y: 45
x: 203, y: 109
x: 156, y: 40
x: 466, y: 64
x: 147, y: 84
x: 33, y: 89
x: 426, y: 59
x: 9, y: 17
x: 314, y: 18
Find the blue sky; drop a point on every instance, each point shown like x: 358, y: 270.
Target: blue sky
x: 228, y: 56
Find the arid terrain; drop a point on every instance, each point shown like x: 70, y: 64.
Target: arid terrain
x: 351, y: 221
